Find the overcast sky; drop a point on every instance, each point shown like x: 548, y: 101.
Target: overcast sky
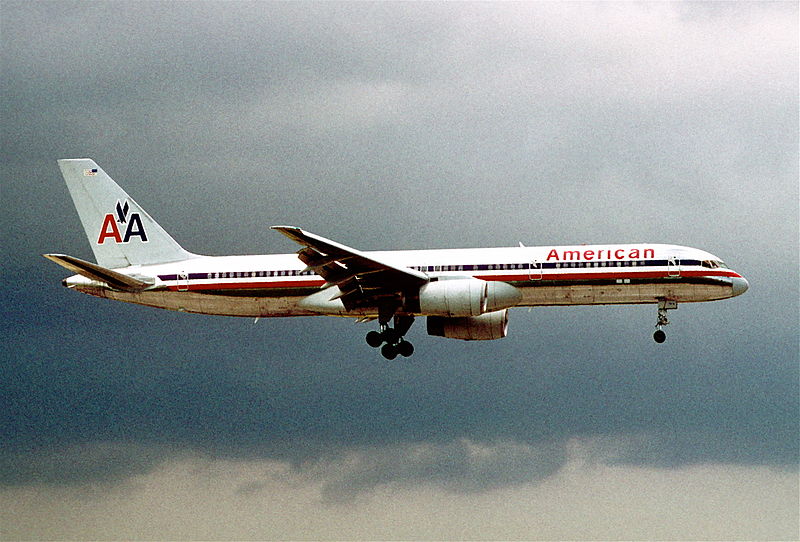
x: 390, y: 126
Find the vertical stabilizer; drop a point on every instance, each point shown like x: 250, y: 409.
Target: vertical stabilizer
x: 120, y: 232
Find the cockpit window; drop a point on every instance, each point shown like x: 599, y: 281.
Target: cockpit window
x: 713, y: 264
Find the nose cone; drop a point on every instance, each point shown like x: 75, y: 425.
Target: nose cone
x: 740, y: 285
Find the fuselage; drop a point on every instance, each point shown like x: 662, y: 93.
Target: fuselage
x: 464, y: 294
x: 279, y: 285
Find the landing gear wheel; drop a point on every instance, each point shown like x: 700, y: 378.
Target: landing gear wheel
x: 389, y: 351
x: 659, y: 336
x: 405, y: 348
x: 374, y: 339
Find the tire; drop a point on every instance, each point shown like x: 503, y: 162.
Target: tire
x: 405, y: 349
x: 659, y: 336
x: 374, y: 339
x: 389, y: 351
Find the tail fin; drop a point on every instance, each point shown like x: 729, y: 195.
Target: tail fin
x: 120, y: 232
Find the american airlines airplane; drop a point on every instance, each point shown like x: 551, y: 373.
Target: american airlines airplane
x: 463, y: 293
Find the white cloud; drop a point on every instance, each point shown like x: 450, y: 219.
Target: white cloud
x: 201, y: 498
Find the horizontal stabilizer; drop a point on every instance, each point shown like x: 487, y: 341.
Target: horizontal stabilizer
x: 95, y: 272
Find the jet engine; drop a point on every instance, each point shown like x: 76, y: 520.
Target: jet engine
x: 466, y: 297
x: 486, y: 327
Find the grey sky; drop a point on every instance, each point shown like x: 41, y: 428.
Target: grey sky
x: 404, y: 126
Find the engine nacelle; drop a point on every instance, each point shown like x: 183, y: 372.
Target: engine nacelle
x: 466, y: 297
x: 486, y: 327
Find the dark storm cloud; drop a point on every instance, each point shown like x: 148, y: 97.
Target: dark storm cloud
x: 400, y: 126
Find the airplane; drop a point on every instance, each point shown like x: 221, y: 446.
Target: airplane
x: 463, y: 293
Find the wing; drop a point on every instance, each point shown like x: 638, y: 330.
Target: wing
x: 363, y: 280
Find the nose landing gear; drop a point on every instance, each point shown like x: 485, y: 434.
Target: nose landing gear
x: 393, y: 338
x: 663, y: 306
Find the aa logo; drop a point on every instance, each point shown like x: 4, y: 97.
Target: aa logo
x: 131, y: 224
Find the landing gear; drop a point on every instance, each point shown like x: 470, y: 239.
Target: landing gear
x: 663, y: 306
x: 395, y: 344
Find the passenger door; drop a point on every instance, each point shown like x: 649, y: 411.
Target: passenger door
x: 183, y: 281
x: 535, y: 270
x: 673, y: 267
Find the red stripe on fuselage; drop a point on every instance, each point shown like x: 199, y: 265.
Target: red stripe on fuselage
x: 546, y: 276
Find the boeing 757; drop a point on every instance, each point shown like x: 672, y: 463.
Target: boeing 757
x: 463, y: 293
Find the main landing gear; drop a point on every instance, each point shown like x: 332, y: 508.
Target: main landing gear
x: 393, y: 338
x: 663, y: 306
